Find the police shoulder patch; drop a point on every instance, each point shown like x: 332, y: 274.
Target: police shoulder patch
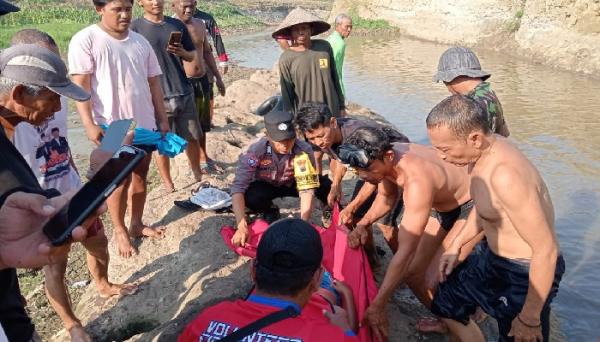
x: 252, y: 161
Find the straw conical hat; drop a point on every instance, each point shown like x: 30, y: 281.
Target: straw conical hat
x: 301, y: 16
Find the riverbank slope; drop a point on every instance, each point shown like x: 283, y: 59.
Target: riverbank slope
x: 191, y: 268
x: 559, y: 33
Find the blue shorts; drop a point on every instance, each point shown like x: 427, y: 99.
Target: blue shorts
x: 497, y: 285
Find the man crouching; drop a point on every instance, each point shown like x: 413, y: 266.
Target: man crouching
x: 278, y: 165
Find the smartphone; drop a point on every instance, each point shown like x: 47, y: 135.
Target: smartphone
x: 92, y: 194
x: 175, y: 37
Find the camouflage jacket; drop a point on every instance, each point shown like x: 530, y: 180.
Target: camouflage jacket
x: 487, y: 99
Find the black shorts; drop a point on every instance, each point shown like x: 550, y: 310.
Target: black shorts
x: 211, y: 90
x: 498, y: 285
x: 448, y: 219
x: 390, y: 219
x: 183, y: 118
x: 201, y: 91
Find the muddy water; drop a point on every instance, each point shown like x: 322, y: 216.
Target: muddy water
x: 553, y: 116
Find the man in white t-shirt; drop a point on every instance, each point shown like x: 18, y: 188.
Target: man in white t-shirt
x: 46, y: 149
x: 121, y: 71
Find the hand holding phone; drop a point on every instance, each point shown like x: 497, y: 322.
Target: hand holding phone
x: 175, y: 37
x: 92, y: 194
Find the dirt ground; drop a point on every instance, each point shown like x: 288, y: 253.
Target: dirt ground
x: 191, y: 268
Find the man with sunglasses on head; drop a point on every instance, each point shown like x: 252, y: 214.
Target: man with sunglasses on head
x: 436, y: 202
x: 326, y: 133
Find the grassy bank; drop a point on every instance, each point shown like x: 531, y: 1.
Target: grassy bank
x: 62, y: 19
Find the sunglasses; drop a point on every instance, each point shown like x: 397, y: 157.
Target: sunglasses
x: 353, y: 156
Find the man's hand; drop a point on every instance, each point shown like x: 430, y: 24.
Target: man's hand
x: 358, y: 237
x: 163, y: 127
x: 448, y: 261
x: 523, y: 333
x: 220, y: 86
x: 241, y: 234
x: 177, y: 49
x: 223, y: 69
x: 94, y: 133
x: 347, y: 215
x: 338, y: 317
x: 23, y: 242
x: 376, y: 318
x: 335, y: 195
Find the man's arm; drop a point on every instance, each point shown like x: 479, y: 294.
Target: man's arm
x: 160, y: 112
x: 239, y: 210
x: 84, y: 109
x: 339, y: 171
x: 209, y: 58
x: 467, y: 233
x: 306, y: 204
x: 336, y: 80
x: 418, y: 198
x: 522, y: 202
x: 387, y: 193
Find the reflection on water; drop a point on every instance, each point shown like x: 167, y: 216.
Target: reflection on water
x: 552, y: 115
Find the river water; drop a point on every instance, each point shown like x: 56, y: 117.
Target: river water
x: 553, y: 116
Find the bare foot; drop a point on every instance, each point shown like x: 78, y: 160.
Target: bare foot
x: 169, y: 188
x: 197, y: 175
x: 78, y: 334
x: 145, y: 231
x: 126, y: 249
x: 431, y: 325
x: 118, y: 290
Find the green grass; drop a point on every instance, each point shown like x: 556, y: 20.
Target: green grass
x: 62, y: 20
x: 359, y: 22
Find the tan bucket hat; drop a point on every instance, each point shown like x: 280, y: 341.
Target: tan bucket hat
x: 300, y: 16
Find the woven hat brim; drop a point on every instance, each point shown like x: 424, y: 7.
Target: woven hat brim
x: 450, y: 75
x: 300, y: 16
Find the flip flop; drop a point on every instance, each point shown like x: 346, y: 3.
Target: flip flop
x: 187, y: 205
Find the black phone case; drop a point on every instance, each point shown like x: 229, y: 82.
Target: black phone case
x: 95, y: 204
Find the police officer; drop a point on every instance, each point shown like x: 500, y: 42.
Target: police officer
x: 277, y: 165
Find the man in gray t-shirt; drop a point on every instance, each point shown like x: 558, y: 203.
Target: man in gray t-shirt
x: 178, y: 93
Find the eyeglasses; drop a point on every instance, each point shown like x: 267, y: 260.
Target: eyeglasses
x: 353, y: 156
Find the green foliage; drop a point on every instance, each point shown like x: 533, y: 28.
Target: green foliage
x: 63, y: 19
x: 228, y: 16
x: 359, y: 22
x: 515, y: 23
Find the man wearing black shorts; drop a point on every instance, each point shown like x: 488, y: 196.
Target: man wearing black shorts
x: 427, y: 183
x: 197, y: 71
x: 178, y: 93
x: 326, y: 133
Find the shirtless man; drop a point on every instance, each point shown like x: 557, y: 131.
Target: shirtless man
x: 196, y: 73
x: 326, y: 133
x: 436, y: 200
x: 512, y: 207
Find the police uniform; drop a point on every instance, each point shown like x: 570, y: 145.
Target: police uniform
x: 263, y: 175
